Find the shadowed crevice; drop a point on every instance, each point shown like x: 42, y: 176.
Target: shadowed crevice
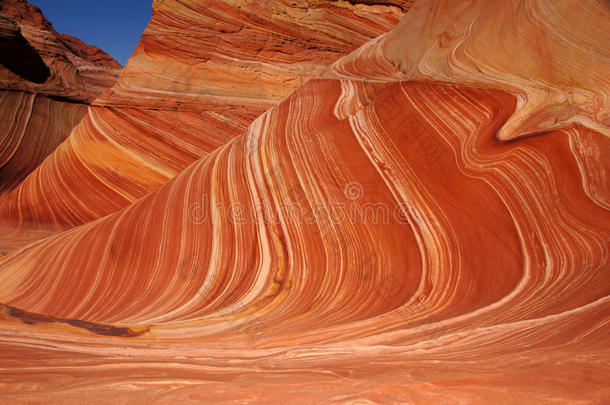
x: 18, y: 56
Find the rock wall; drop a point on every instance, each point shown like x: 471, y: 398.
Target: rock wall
x: 46, y: 82
x: 403, y: 228
x: 203, y: 71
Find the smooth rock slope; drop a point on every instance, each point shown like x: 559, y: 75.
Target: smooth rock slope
x: 403, y: 228
x: 203, y: 71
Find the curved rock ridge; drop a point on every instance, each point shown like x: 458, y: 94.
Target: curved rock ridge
x: 543, y: 65
x: 46, y: 81
x: 370, y: 239
x: 203, y: 71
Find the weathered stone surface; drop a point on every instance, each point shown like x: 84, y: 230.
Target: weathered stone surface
x: 403, y: 228
x: 74, y: 71
x: 203, y: 71
x: 46, y: 81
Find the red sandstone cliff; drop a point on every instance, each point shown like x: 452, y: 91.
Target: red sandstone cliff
x: 89, y: 52
x: 470, y: 142
x: 46, y: 81
x: 74, y: 70
x: 203, y: 71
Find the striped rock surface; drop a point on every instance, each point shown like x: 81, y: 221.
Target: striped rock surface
x: 46, y: 82
x: 31, y: 127
x: 389, y: 233
x: 203, y: 71
x: 58, y: 65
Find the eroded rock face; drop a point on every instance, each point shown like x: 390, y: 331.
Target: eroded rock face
x: 31, y: 128
x: 18, y: 56
x: 370, y: 238
x: 89, y: 52
x: 46, y: 81
x: 203, y: 71
x: 74, y: 70
x: 543, y: 65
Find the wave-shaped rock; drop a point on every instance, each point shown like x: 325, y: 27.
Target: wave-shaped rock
x: 372, y: 238
x: 203, y: 71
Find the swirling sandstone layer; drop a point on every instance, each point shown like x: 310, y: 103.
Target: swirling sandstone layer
x: 46, y: 81
x: 203, y: 71
x: 31, y: 128
x: 247, y: 277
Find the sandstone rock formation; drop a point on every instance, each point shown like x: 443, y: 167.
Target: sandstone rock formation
x: 46, y: 81
x: 74, y: 71
x: 409, y: 226
x: 203, y: 71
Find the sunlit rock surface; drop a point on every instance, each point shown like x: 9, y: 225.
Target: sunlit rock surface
x: 400, y: 229
x: 203, y: 71
x: 46, y: 81
x: 59, y: 65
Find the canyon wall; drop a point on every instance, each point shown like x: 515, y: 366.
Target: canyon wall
x: 414, y: 224
x: 47, y: 80
x: 203, y: 71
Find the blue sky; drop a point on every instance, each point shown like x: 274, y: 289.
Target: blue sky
x: 112, y: 25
